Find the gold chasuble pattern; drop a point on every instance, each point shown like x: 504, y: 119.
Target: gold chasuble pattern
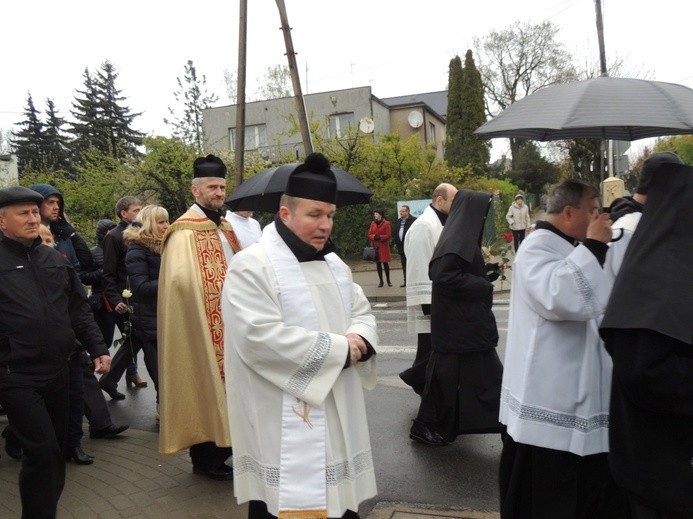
x: 212, y: 271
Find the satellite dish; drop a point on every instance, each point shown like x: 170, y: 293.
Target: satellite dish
x: 415, y: 119
x: 366, y: 125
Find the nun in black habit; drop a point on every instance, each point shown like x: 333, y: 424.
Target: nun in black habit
x: 463, y: 377
x: 648, y: 331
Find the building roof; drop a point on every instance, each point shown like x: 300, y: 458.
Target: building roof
x: 436, y: 101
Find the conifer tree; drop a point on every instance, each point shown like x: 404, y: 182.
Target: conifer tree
x: 28, y: 142
x: 56, y: 143
x: 453, y: 141
x: 115, y: 119
x: 102, y: 121
x: 86, y: 128
x: 473, y: 150
x: 187, y: 121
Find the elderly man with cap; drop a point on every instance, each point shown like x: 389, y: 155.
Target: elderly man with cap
x: 300, y: 339
x: 45, y: 310
x: 195, y: 253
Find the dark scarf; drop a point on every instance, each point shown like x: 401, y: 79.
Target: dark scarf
x: 464, y: 226
x: 656, y: 270
x: 302, y: 250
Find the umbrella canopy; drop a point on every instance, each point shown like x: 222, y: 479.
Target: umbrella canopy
x: 263, y: 191
x: 601, y: 108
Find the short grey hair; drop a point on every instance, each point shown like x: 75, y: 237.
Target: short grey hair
x: 568, y: 193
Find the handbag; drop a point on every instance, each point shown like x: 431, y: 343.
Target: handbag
x: 370, y: 254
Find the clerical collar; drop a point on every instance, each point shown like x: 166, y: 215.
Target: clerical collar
x: 543, y: 224
x: 302, y: 250
x: 441, y: 216
x: 213, y: 215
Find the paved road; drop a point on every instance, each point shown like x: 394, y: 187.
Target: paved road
x: 129, y: 478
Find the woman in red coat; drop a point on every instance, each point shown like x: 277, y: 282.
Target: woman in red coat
x: 379, y: 233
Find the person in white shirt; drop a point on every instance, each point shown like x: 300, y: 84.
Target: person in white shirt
x: 557, y: 374
x: 247, y: 228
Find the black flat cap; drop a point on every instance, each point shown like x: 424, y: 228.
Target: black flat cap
x: 18, y: 195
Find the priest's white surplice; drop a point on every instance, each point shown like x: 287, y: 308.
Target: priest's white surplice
x: 557, y: 374
x: 419, y: 243
x: 267, y: 358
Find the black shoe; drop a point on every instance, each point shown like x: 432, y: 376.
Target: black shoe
x: 109, y: 432
x: 389, y: 284
x: 220, y: 473
x: 12, y: 446
x: 79, y: 456
x: 421, y: 433
x: 380, y: 285
x: 112, y: 391
x: 403, y: 285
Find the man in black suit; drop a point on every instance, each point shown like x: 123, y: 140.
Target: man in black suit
x: 403, y: 223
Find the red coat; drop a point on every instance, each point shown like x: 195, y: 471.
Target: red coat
x: 383, y: 230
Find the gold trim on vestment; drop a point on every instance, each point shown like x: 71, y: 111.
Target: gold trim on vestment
x: 303, y: 514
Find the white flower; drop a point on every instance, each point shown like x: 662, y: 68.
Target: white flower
x: 126, y: 294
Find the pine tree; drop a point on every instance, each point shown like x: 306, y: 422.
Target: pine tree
x: 473, y: 150
x: 192, y: 94
x: 115, y: 118
x: 56, y: 143
x: 101, y: 120
x: 453, y: 142
x: 87, y: 126
x: 28, y: 142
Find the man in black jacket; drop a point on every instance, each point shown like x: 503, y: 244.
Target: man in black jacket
x: 400, y: 231
x: 45, y: 311
x: 114, y: 278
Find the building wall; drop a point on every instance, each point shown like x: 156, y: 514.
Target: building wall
x: 280, y: 119
x: 9, y: 174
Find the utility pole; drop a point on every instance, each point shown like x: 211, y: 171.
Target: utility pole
x: 600, y: 37
x: 239, y: 148
x: 295, y: 80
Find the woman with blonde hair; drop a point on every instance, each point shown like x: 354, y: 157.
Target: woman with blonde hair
x: 142, y: 260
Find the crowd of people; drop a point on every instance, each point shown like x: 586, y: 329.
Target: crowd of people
x: 592, y: 401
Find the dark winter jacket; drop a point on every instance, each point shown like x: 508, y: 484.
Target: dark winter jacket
x: 67, y: 241
x: 142, y: 263
x: 114, y: 274
x: 94, y: 277
x: 44, y: 309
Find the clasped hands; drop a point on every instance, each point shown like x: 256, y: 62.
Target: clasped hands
x: 357, y: 347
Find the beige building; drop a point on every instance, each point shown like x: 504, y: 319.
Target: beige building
x: 272, y: 127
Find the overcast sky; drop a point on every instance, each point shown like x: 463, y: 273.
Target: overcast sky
x: 397, y: 47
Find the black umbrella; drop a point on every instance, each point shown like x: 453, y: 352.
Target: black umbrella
x: 262, y: 191
x: 601, y: 108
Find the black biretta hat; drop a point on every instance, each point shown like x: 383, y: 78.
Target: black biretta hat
x: 313, y: 180
x: 209, y: 166
x: 650, y: 167
x: 17, y: 195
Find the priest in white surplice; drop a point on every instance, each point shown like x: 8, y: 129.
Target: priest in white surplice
x: 300, y: 339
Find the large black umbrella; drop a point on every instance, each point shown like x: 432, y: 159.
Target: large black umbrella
x: 262, y: 191
x: 601, y: 108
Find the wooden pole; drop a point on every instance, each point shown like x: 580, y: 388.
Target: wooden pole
x: 295, y: 80
x: 239, y: 148
x: 600, y: 37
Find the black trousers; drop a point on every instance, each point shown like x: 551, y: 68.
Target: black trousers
x: 209, y: 455
x: 37, y: 408
x: 258, y: 510
x: 518, y: 236
x: 76, y: 416
x: 95, y: 407
x: 536, y: 482
x: 403, y: 259
x: 416, y: 375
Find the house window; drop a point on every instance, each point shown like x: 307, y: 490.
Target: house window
x: 432, y: 133
x: 340, y: 124
x: 255, y: 137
